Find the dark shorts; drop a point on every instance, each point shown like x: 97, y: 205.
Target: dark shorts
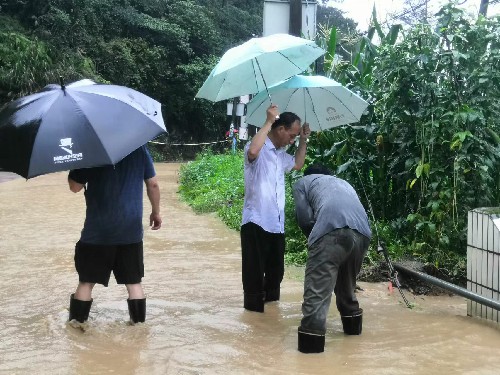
x: 94, y: 263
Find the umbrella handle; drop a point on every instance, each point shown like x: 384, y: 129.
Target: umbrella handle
x: 270, y: 101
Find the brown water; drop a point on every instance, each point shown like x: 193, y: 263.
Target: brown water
x: 196, y: 323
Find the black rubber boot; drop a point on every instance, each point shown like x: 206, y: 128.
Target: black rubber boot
x: 352, y: 324
x: 137, y: 310
x: 272, y: 295
x: 79, y: 310
x: 311, y: 342
x: 254, y: 302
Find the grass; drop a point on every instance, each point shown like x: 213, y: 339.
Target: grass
x: 215, y: 183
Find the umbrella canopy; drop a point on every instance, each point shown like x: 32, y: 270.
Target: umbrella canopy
x: 320, y: 101
x: 257, y: 64
x: 80, y: 125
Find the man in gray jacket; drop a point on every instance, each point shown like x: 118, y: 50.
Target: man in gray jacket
x: 331, y: 215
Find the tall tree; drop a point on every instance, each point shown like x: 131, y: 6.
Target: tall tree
x: 164, y: 49
x: 483, y: 8
x: 329, y: 16
x: 414, y: 11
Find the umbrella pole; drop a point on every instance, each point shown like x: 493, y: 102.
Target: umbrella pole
x: 263, y: 80
x: 305, y: 107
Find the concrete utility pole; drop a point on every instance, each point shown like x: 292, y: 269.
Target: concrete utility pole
x: 483, y: 8
x: 296, y: 17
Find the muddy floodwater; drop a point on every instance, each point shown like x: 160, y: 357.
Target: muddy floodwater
x: 195, y: 320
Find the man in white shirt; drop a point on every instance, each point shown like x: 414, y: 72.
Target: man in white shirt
x: 263, y: 224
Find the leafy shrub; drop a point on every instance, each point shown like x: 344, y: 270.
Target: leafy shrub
x: 214, y: 183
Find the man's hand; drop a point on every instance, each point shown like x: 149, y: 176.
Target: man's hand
x: 74, y: 186
x: 155, y: 221
x: 305, y: 132
x: 300, y: 154
x: 272, y: 113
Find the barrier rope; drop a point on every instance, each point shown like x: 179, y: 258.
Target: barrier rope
x: 188, y: 144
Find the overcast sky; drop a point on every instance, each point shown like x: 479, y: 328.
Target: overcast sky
x: 361, y: 10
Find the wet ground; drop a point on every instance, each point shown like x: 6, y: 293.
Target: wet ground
x: 196, y: 323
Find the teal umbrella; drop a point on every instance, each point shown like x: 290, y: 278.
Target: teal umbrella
x: 258, y: 63
x: 320, y: 101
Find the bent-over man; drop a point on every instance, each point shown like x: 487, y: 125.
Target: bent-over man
x: 331, y: 215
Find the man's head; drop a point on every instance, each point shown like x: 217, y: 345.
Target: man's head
x: 317, y: 168
x: 285, y: 129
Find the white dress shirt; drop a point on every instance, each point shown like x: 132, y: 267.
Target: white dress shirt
x: 265, y: 187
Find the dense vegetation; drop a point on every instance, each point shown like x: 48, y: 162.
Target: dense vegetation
x: 427, y: 151
x: 164, y: 49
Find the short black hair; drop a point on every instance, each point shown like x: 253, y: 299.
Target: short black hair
x: 317, y: 168
x: 286, y: 119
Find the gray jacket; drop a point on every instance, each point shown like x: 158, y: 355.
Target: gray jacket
x: 324, y: 203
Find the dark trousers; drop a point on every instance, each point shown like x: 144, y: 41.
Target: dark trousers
x: 263, y: 259
x: 333, y: 263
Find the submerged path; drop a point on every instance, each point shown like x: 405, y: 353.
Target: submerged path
x: 195, y: 320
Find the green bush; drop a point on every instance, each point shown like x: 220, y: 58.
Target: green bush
x: 214, y: 183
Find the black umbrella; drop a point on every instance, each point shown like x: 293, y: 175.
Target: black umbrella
x: 80, y: 125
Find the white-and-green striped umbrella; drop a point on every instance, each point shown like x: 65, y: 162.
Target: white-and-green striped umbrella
x: 317, y: 100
